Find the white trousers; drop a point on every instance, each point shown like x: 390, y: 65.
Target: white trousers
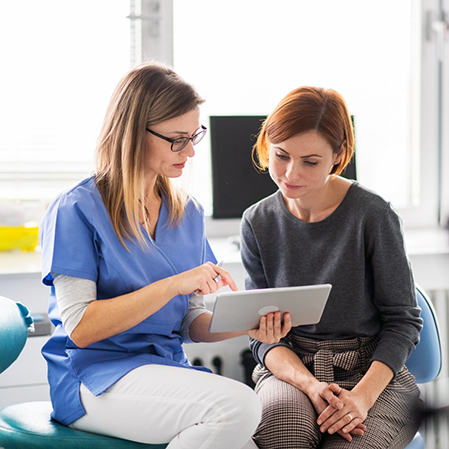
x: 186, y: 408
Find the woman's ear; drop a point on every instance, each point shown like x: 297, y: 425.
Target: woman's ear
x: 341, y: 152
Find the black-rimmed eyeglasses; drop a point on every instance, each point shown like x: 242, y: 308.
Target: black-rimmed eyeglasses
x: 181, y: 142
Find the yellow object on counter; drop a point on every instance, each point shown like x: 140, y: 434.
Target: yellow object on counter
x: 19, y: 237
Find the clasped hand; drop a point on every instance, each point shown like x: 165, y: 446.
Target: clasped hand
x: 339, y: 411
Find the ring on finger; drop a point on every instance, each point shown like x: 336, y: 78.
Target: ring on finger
x: 350, y: 416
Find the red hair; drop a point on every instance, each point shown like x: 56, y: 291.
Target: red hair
x: 305, y: 109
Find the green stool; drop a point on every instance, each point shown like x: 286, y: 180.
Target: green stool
x: 29, y: 425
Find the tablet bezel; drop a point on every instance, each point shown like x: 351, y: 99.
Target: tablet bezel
x: 235, y: 310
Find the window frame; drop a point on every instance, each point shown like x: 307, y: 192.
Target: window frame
x: 155, y: 36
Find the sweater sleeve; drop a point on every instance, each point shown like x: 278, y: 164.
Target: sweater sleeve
x: 394, y: 290
x: 255, y: 278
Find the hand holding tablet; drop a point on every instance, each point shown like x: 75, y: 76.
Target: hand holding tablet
x: 272, y: 327
x: 241, y: 310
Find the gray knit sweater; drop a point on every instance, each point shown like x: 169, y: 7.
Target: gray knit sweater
x: 359, y: 249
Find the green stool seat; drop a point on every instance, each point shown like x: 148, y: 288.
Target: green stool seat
x: 29, y: 426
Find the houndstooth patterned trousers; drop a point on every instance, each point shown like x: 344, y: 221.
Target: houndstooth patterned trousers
x: 289, y: 418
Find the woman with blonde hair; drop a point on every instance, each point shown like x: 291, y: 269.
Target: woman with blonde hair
x: 340, y: 383
x: 127, y: 260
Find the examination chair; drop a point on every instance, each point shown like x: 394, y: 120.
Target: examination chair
x: 28, y: 425
x: 425, y: 361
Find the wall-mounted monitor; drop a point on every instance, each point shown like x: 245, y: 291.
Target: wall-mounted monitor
x: 236, y: 183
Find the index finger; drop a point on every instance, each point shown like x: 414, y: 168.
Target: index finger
x: 329, y: 396
x: 225, y: 279
x: 326, y: 414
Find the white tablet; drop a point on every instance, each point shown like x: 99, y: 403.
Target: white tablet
x: 241, y: 310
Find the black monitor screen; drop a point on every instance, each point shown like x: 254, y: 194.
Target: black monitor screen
x: 236, y: 183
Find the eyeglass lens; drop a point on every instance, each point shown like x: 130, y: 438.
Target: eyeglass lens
x: 179, y: 144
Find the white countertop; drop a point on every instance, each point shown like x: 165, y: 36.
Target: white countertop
x: 420, y: 242
x: 427, y: 241
x: 20, y: 262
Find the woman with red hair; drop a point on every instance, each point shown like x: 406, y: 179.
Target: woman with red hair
x: 342, y: 382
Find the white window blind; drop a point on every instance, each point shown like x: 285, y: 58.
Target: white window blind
x: 61, y: 60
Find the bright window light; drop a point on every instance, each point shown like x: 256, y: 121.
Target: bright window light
x: 244, y: 56
x: 60, y: 63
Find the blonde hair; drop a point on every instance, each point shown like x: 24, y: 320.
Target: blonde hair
x: 150, y: 93
x: 305, y: 109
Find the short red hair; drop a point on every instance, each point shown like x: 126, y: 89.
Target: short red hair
x: 305, y: 109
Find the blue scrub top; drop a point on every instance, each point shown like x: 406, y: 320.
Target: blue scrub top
x: 78, y: 240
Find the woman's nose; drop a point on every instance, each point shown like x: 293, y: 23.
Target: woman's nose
x: 189, y: 149
x: 292, y: 172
